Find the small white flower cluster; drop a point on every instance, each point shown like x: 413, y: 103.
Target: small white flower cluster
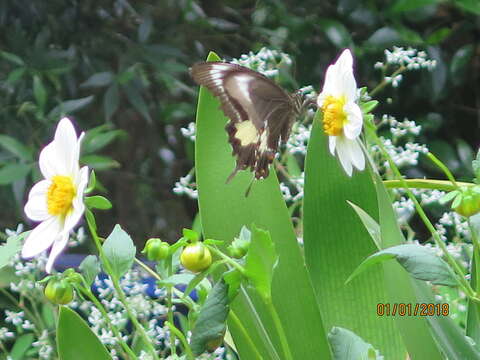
x: 6, y: 334
x: 404, y: 209
x: 401, y: 128
x: 411, y: 58
x: 297, y: 142
x: 394, y: 80
x: 266, y: 61
x: 427, y: 196
x: 457, y: 225
x: 45, y: 349
x: 186, y: 186
x: 298, y: 182
x: 190, y: 131
x: 402, y: 155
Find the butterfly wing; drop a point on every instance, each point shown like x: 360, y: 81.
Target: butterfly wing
x: 260, y: 112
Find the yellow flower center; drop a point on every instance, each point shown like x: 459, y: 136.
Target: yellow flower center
x: 60, y: 195
x: 333, y: 115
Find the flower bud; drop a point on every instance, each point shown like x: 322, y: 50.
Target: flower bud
x: 59, y: 291
x: 196, y: 257
x: 156, y: 249
x: 469, y: 203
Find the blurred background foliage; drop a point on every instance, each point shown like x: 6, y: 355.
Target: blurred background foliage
x: 120, y: 69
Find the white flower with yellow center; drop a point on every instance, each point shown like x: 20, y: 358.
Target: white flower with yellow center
x: 342, y: 117
x: 56, y: 201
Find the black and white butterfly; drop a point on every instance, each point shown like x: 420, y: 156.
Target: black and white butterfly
x: 261, y: 113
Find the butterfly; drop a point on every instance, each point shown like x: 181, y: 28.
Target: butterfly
x: 261, y: 113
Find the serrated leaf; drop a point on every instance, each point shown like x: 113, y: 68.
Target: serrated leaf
x: 119, y: 250
x: 346, y: 345
x: 261, y: 261
x: 11, y: 248
x: 13, y: 172
x: 90, y: 268
x: 98, y: 202
x: 75, y: 340
x: 15, y: 147
x: 211, y: 322
x: 420, y: 262
x: 99, y: 79
x: 69, y: 107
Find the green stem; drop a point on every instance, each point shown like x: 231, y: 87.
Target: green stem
x: 238, y: 324
x: 120, y: 293
x: 425, y: 184
x: 442, y: 166
x: 87, y: 292
x: 385, y: 82
x: 182, y: 338
x: 228, y: 260
x: 464, y: 284
x: 278, y: 326
x: 173, y: 348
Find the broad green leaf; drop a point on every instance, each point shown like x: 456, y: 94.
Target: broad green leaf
x: 90, y: 268
x: 13, y: 172
x: 346, y: 345
x: 336, y: 241
x: 21, y: 346
x: 211, y: 322
x: 119, y: 250
x: 15, y: 147
x: 261, y: 262
x: 370, y: 224
x: 111, y: 100
x: 224, y: 210
x: 11, y: 248
x: 234, y: 280
x: 99, y: 79
x: 75, y: 340
x: 98, y: 202
x: 69, y: 107
x: 99, y: 162
x: 420, y: 262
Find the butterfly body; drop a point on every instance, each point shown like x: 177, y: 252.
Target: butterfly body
x: 261, y: 113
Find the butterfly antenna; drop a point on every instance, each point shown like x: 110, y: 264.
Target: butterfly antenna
x: 232, y: 175
x: 247, y: 192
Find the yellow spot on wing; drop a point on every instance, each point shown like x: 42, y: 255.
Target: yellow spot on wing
x: 246, y: 132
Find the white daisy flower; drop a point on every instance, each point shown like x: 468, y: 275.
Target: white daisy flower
x: 342, y: 117
x: 56, y: 201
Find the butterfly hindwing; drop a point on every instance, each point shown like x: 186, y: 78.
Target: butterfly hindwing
x: 260, y: 112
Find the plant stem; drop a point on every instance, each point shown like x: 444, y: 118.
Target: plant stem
x: 425, y: 184
x: 436, y: 237
x: 173, y: 348
x: 234, y: 318
x: 182, y: 338
x: 385, y: 82
x: 442, y: 166
x: 228, y: 260
x: 278, y: 326
x: 120, y: 293
x: 86, y: 291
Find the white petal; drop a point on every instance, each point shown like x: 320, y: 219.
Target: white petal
x: 348, y: 84
x: 332, y: 141
x: 57, y: 248
x: 353, y: 127
x: 345, y: 60
x: 36, y: 207
x: 356, y: 154
x: 41, y: 237
x: 49, y: 161
x: 78, y: 205
x: 344, y: 155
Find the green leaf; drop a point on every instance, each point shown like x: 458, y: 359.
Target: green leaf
x: 120, y: 251
x: 75, y: 340
x: 336, y: 241
x: 476, y: 166
x: 336, y: 32
x: 21, y: 346
x: 99, y: 162
x: 111, y: 100
x: 15, y: 75
x: 145, y: 28
x: 13, y: 172
x: 16, y: 148
x: 199, y: 278
x: 11, y: 248
x: 177, y: 279
x: 459, y: 65
x: 90, y: 268
x: 224, y: 210
x: 98, y: 202
x: 369, y: 106
x: 448, y: 197
x: 409, y: 5
x: 95, y: 141
x: 347, y: 345
x: 39, y: 92
x: 261, y: 262
x: 135, y: 98
x: 370, y: 224
x: 99, y: 79
x: 420, y: 262
x: 190, y: 234
x: 472, y: 6
x: 438, y: 36
x: 211, y: 322
x: 12, y: 58
x: 384, y: 37
x: 69, y: 107
x: 233, y: 278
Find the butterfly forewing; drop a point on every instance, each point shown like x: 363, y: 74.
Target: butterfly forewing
x: 260, y: 112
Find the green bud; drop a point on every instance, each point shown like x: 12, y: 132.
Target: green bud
x: 156, y: 249
x: 469, y: 202
x: 59, y: 291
